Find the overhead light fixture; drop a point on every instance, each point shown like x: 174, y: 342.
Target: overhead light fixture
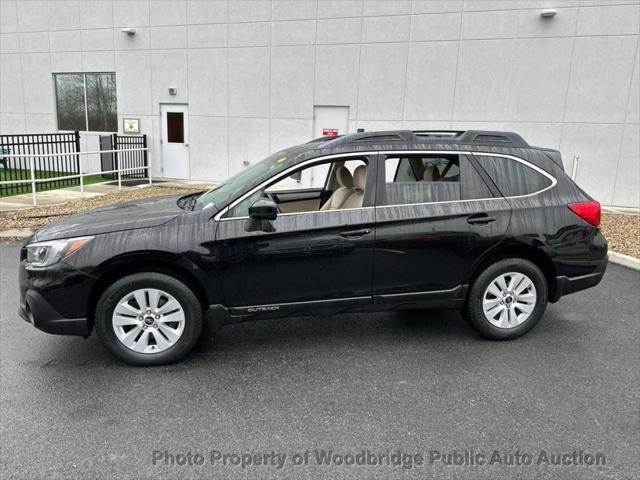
x: 129, y: 31
x: 549, y: 13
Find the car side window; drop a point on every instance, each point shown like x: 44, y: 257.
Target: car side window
x: 242, y: 208
x: 326, y: 186
x: 512, y: 177
x: 399, y: 170
x: 416, y: 179
x: 312, y: 177
x: 432, y: 178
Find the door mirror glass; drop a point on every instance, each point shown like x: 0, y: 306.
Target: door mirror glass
x: 263, y: 209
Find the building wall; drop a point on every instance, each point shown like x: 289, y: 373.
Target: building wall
x: 251, y: 72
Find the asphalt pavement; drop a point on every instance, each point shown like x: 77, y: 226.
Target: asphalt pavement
x: 387, y: 395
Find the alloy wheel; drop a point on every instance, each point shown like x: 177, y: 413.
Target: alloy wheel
x: 509, y: 300
x: 148, y: 320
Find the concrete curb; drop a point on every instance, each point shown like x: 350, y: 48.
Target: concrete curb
x: 15, y: 233
x: 625, y: 260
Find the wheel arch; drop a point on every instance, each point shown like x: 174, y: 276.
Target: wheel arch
x: 518, y: 250
x: 138, y: 262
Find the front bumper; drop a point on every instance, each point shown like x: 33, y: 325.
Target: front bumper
x: 55, y: 299
x: 36, y: 310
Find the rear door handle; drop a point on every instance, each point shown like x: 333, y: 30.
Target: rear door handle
x: 355, y: 233
x: 480, y: 219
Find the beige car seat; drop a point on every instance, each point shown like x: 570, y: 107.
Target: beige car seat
x: 359, y: 180
x: 431, y: 174
x: 345, y: 180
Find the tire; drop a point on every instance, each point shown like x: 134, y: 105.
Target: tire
x: 165, y: 335
x: 523, y: 305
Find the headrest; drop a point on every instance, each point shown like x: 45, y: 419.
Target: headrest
x: 343, y: 175
x: 360, y: 177
x: 431, y: 174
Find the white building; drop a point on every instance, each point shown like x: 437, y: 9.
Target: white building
x: 249, y: 75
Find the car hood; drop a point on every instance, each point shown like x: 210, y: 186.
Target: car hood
x: 144, y: 213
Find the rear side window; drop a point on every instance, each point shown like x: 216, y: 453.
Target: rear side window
x: 431, y: 178
x: 513, y: 178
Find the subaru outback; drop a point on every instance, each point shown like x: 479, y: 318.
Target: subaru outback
x: 471, y: 220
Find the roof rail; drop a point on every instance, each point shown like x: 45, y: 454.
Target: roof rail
x: 488, y: 137
x: 324, y: 139
x: 469, y: 137
x: 438, y: 133
x: 378, y: 137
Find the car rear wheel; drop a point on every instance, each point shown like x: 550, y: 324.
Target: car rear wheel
x: 148, y: 319
x: 507, y: 300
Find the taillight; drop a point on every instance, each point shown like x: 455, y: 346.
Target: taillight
x: 588, y: 211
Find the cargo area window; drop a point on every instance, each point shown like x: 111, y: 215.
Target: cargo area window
x: 512, y: 177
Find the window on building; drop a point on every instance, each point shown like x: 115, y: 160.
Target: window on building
x: 86, y: 101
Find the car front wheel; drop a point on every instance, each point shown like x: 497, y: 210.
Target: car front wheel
x: 148, y: 319
x: 507, y: 299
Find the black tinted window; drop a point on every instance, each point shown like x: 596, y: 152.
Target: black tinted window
x: 431, y: 178
x: 512, y: 177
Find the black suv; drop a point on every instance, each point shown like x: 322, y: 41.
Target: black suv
x: 473, y: 220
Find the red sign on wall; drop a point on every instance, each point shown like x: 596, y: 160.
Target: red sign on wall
x: 329, y: 132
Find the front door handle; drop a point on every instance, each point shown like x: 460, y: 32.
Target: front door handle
x: 355, y: 233
x: 480, y: 219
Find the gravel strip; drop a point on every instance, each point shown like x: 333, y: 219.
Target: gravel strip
x: 37, y: 217
x: 622, y: 232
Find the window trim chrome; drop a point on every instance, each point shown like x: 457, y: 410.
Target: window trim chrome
x: 304, y: 213
x: 284, y: 173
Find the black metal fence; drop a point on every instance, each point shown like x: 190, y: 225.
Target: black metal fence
x: 124, y: 159
x: 66, y: 145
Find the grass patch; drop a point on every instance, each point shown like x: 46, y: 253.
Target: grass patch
x: 8, y: 174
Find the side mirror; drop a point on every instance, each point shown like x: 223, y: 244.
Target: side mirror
x: 263, y: 209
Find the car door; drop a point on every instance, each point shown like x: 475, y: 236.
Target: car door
x: 435, y: 216
x: 310, y: 259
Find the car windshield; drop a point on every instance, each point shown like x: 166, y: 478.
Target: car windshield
x: 219, y: 195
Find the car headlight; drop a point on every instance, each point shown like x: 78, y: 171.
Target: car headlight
x: 44, y: 254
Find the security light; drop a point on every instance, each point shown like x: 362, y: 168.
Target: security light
x: 549, y: 13
x: 129, y: 31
